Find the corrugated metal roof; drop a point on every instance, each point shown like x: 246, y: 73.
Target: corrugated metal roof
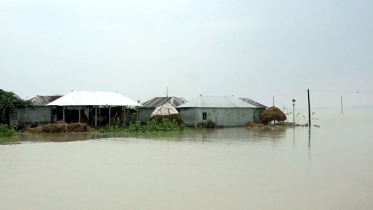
x: 92, y: 98
x: 159, y: 101
x: 216, y: 102
x: 43, y: 100
x: 254, y: 103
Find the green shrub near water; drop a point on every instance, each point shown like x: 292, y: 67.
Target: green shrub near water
x: 6, y: 131
x: 154, y: 125
x: 115, y: 128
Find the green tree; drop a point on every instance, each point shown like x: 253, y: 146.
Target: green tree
x: 9, y: 100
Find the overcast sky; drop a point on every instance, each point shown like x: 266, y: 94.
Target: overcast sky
x: 256, y: 49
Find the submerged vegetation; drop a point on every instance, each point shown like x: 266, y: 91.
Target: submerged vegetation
x: 6, y: 131
x: 154, y: 125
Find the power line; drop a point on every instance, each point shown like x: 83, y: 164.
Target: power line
x: 342, y: 91
x: 286, y: 94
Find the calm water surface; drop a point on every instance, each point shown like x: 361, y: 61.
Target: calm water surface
x: 231, y: 168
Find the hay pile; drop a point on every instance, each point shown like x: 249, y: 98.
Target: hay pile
x: 60, y: 127
x: 271, y: 114
x: 166, y: 111
x: 253, y: 124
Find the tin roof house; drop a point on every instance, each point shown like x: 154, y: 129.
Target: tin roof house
x: 149, y: 106
x: 39, y: 112
x: 260, y: 108
x: 78, y: 105
x: 226, y: 111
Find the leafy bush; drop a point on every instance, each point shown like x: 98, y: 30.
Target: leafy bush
x: 6, y: 131
x: 135, y: 127
x: 115, y: 128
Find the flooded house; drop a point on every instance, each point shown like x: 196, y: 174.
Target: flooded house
x: 38, y: 113
x: 220, y: 110
x: 95, y: 107
x: 149, y: 106
x: 260, y: 108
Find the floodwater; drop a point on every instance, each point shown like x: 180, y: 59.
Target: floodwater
x: 330, y: 167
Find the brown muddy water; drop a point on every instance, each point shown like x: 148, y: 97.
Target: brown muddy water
x: 233, y: 168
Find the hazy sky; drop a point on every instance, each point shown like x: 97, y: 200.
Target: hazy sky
x: 256, y: 49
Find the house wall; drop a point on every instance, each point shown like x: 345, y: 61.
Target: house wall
x: 220, y: 116
x: 257, y: 113
x: 28, y: 115
x: 188, y: 115
x: 145, y: 113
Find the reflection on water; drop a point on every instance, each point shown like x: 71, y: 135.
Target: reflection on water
x: 229, y: 168
x: 216, y: 135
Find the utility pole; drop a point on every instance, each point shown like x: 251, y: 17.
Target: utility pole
x: 341, y: 105
x: 309, y: 108
x: 293, y: 110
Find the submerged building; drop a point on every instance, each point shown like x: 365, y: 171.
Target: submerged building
x: 97, y: 107
x: 260, y: 108
x: 39, y: 112
x: 221, y: 110
x: 149, y: 106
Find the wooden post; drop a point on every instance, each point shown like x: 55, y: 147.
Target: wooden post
x: 137, y: 113
x: 79, y: 113
x: 109, y: 115
x: 273, y: 101
x: 96, y: 116
x: 309, y: 108
x: 63, y: 113
x: 341, y: 105
x: 124, y: 116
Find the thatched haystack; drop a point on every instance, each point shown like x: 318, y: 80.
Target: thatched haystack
x: 60, y: 127
x: 166, y: 111
x: 271, y: 114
